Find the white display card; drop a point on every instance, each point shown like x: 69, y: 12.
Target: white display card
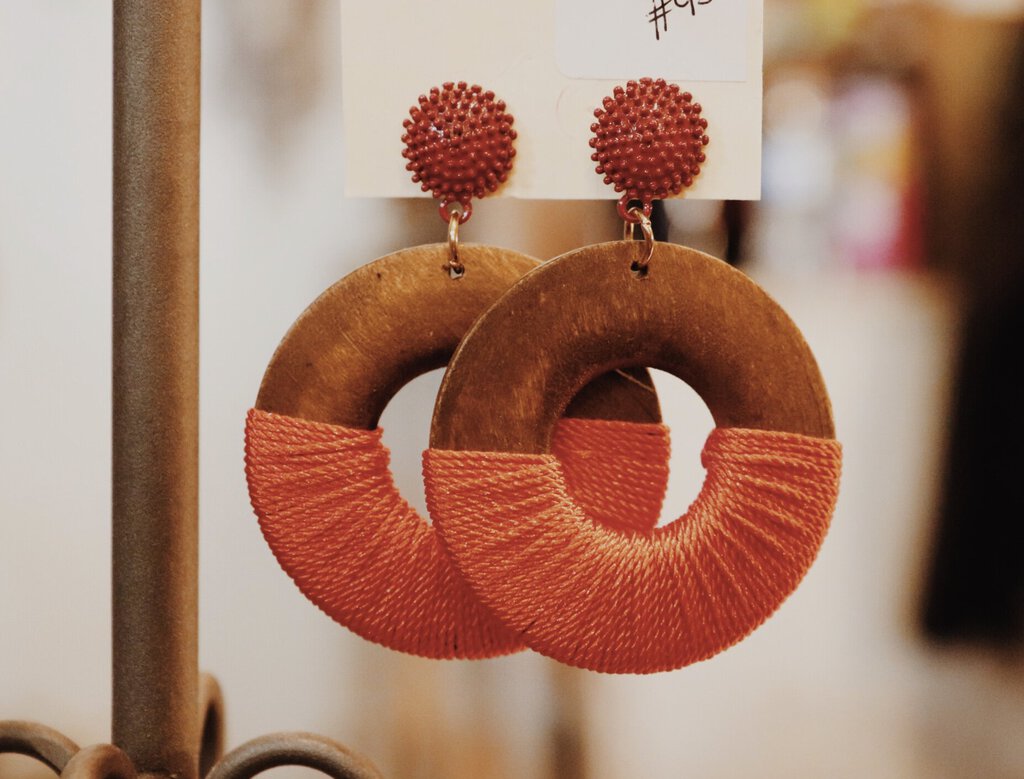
x: 552, y: 62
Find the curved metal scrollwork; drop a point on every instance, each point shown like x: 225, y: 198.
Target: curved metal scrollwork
x: 293, y: 749
x: 46, y: 745
x: 211, y: 720
x: 102, y: 761
x: 62, y: 755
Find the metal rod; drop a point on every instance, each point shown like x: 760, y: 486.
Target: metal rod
x: 155, y: 383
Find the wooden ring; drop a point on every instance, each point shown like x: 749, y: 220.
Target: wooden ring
x: 661, y: 598
x: 587, y: 313
x: 318, y: 473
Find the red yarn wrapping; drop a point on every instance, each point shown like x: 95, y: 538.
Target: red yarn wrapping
x: 617, y: 471
x: 329, y: 509
x: 652, y: 601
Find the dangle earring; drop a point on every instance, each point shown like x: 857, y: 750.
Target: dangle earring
x: 317, y: 471
x: 587, y: 594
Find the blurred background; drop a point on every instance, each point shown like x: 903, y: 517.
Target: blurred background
x: 890, y: 229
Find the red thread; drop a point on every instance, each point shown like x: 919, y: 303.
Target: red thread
x: 329, y: 509
x: 640, y: 602
x: 617, y: 470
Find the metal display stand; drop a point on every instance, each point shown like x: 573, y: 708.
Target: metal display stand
x: 167, y: 720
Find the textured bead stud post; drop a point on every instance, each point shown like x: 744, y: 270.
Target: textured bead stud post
x: 648, y: 141
x: 459, y: 144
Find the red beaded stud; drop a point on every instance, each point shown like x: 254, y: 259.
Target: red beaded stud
x: 648, y: 141
x: 458, y: 142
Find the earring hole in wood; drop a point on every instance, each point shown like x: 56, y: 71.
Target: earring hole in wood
x: 638, y: 270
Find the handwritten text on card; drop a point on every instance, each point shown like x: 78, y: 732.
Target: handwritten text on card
x: 660, y: 9
x: 679, y: 40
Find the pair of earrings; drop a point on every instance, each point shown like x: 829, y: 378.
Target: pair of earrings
x: 547, y: 462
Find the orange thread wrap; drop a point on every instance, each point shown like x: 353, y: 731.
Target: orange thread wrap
x: 329, y: 509
x: 641, y: 602
x: 617, y: 471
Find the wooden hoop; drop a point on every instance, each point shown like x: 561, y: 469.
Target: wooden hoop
x: 586, y: 313
x: 401, y: 316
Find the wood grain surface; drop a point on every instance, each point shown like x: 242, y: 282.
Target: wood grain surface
x: 401, y: 316
x: 586, y: 313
